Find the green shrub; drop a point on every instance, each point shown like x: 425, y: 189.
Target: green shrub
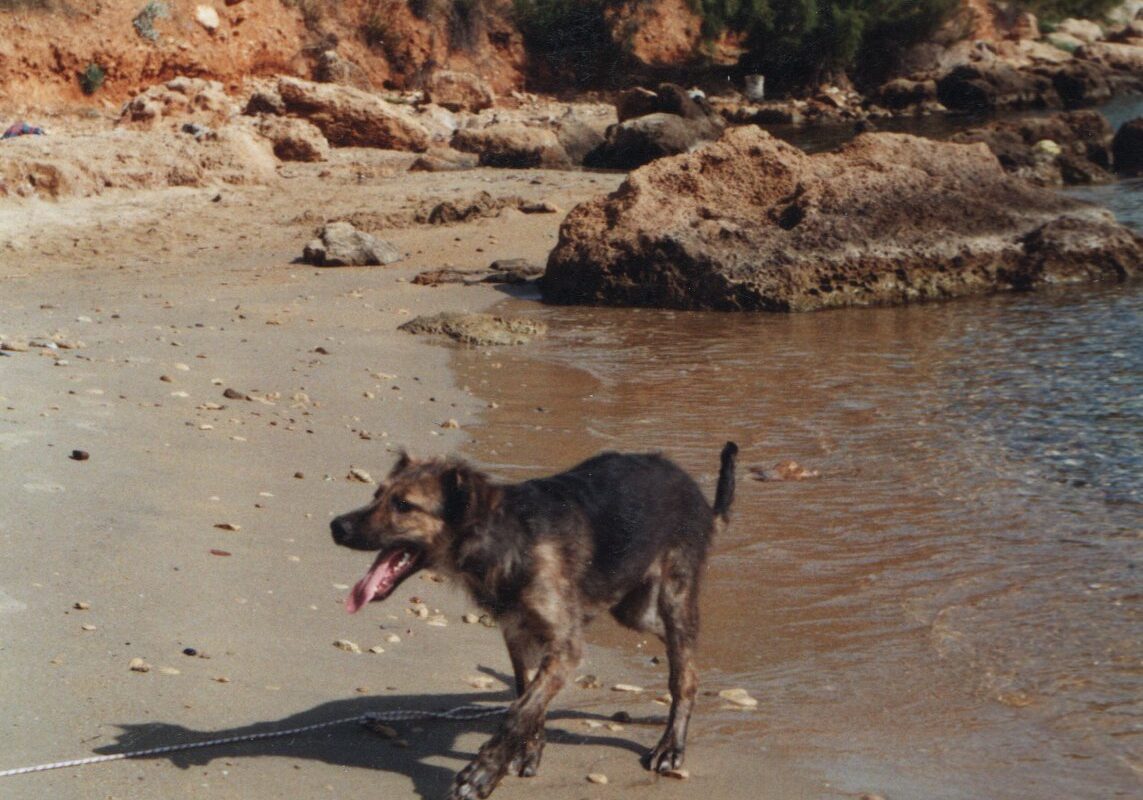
x: 91, y: 79
x: 572, y: 37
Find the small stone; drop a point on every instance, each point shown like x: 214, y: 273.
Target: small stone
x: 190, y: 651
x: 626, y: 687
x: 392, y: 638
x: 450, y: 424
x: 470, y: 619
x: 588, y: 682
x: 597, y: 777
x: 299, y: 475
x: 487, y: 621
x: 169, y: 671
x: 359, y: 475
x: 738, y: 697
x: 381, y: 729
x: 87, y: 627
x: 481, y: 682
x: 376, y: 649
x: 677, y: 774
x: 347, y: 646
x: 221, y: 679
x: 81, y: 606
x: 228, y: 526
x: 437, y: 621
x: 234, y: 394
x: 138, y: 665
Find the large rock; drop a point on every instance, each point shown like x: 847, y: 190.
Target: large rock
x: 753, y: 223
x: 339, y: 244
x: 1127, y: 148
x: 980, y: 88
x: 294, y: 139
x: 353, y: 118
x: 639, y: 141
x: 458, y: 91
x: 514, y: 145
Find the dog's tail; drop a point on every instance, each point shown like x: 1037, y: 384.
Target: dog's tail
x: 724, y: 494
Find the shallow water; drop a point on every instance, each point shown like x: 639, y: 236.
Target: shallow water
x: 953, y: 608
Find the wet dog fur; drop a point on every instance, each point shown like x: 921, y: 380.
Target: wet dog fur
x: 620, y: 532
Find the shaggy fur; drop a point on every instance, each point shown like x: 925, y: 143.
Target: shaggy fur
x: 620, y: 532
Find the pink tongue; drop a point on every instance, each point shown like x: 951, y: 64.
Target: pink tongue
x: 378, y: 577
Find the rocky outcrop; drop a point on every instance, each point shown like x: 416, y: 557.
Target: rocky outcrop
x: 753, y: 223
x: 180, y: 99
x: 339, y: 244
x: 1073, y: 147
x: 478, y: 330
x: 350, y: 117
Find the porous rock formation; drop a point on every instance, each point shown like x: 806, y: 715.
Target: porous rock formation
x: 753, y: 223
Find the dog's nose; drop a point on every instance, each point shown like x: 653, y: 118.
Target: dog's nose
x: 342, y: 530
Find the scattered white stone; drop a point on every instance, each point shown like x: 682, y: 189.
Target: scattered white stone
x: 360, y: 475
x: 376, y: 649
x: 392, y: 638
x: 207, y: 17
x: 597, y: 777
x: 470, y: 618
x: 347, y: 646
x: 138, y: 665
x: 738, y: 697
x: 626, y: 687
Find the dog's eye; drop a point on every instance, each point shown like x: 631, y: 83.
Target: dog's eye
x: 402, y: 506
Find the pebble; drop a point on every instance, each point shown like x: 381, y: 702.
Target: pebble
x: 392, y: 638
x: 377, y: 649
x: 87, y: 627
x: 470, y: 619
x: 79, y: 455
x: 138, y: 665
x: 626, y: 687
x: 234, y: 394
x: 451, y: 424
x: 228, y: 526
x: 359, y: 475
x: 81, y: 606
x: 437, y: 621
x: 597, y: 777
x: 677, y: 774
x: 169, y: 671
x: 738, y: 697
x: 588, y: 682
x: 481, y: 682
x: 381, y: 729
x: 347, y: 646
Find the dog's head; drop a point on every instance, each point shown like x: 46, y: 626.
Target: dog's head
x: 416, y: 516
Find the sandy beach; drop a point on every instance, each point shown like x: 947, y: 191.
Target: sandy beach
x: 192, y: 541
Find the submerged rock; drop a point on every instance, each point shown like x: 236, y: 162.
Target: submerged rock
x: 477, y: 329
x: 753, y: 223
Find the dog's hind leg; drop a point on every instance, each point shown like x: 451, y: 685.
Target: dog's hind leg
x: 678, y: 609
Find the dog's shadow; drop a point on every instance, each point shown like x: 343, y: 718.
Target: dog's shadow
x: 352, y: 744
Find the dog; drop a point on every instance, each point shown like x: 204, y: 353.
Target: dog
x: 628, y: 533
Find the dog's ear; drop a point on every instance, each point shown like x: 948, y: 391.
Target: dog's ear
x: 403, y: 461
x: 463, y: 492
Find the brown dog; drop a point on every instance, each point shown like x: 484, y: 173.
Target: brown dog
x: 628, y: 533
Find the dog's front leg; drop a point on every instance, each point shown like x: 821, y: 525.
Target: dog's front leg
x: 519, y: 742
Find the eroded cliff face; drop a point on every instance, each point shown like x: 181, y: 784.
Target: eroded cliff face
x: 47, y: 45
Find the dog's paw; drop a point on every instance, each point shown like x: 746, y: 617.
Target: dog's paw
x: 526, y: 763
x: 478, y: 779
x: 665, y: 757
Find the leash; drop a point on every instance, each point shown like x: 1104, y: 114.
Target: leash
x: 459, y: 713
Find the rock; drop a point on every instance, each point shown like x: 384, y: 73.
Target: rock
x: 207, y: 17
x: 477, y: 329
x: 138, y: 665
x: 444, y: 159
x: 1072, y: 147
x: 1127, y: 148
x: 359, y: 475
x: 462, y: 210
x: 626, y: 687
x: 1026, y: 27
x: 514, y: 145
x: 508, y: 271
x: 228, y: 526
x: 980, y: 88
x: 294, y: 139
x: 265, y: 101
x: 187, y: 99
x: 597, y: 778
x: 347, y: 646
x: 458, y: 91
x: 351, y: 117
x: 662, y: 34
x: 1122, y: 56
x: 331, y: 67
x: 1080, y: 83
x: 79, y: 455
x: 902, y: 92
x: 753, y: 223
x: 339, y: 244
x: 738, y: 697
x: 641, y: 140
x: 668, y: 98
x: 1084, y: 30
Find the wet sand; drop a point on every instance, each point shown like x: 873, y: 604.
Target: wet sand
x: 170, y: 298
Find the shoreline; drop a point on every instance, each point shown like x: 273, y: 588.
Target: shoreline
x: 165, y: 307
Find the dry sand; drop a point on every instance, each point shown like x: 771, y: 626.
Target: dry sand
x: 177, y: 295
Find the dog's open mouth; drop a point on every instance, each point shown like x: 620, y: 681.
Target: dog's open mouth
x: 391, y: 567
